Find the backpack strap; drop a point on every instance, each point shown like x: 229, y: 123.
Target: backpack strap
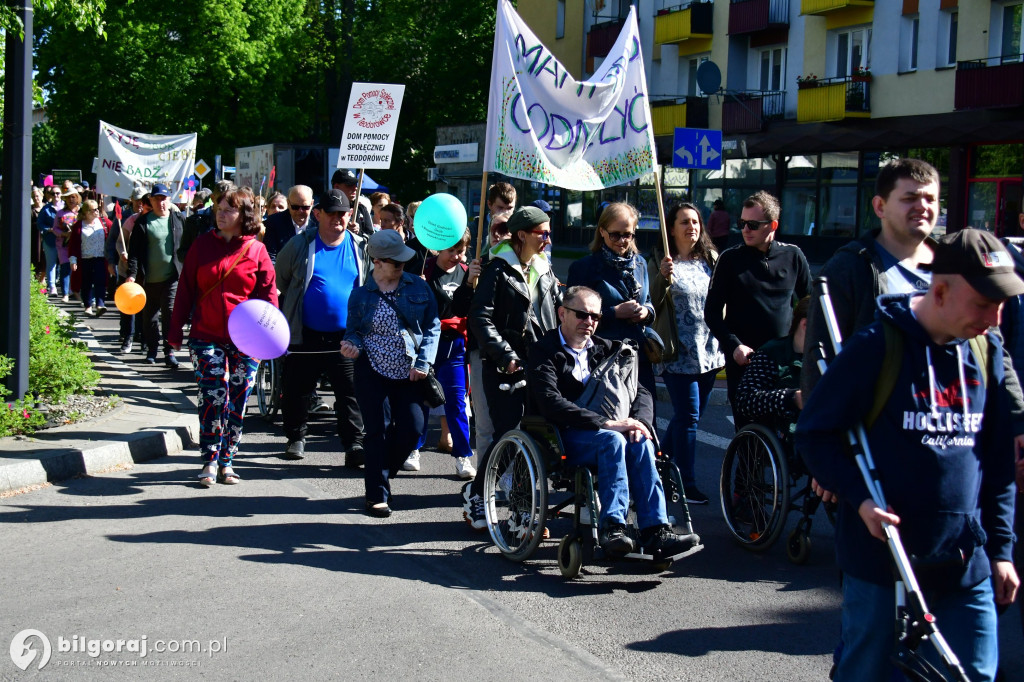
x: 886, y: 382
x: 980, y: 347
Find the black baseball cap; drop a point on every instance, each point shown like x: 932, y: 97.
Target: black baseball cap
x: 333, y: 202
x: 344, y: 176
x: 978, y: 257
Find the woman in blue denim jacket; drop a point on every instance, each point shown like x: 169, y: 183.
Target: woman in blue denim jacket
x: 392, y: 334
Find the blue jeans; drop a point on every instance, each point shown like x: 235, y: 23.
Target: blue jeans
x: 450, y: 368
x: 50, y: 251
x: 64, y: 272
x: 623, y: 467
x: 387, y: 445
x: 966, y: 619
x: 689, y: 394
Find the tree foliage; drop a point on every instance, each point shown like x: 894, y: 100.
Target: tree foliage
x: 244, y: 72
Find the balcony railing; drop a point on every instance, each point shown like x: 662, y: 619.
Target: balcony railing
x: 833, y: 99
x: 684, y: 22
x: 602, y: 37
x: 993, y: 83
x: 751, y: 16
x: 823, y: 6
x: 750, y: 111
x: 685, y: 112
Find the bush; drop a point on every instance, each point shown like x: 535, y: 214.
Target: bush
x: 58, y: 366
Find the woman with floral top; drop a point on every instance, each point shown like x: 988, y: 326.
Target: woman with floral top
x: 691, y: 376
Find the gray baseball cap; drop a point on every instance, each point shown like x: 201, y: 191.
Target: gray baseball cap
x: 388, y: 244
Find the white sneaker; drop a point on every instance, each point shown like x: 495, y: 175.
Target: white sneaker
x: 412, y: 463
x: 464, y: 468
x: 88, y: 310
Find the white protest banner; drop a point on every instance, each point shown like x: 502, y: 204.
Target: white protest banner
x: 543, y: 125
x: 128, y: 158
x: 371, y: 123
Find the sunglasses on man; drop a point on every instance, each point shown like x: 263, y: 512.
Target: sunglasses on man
x: 583, y: 314
x: 752, y: 224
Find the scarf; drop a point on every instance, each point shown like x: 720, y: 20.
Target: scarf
x: 626, y: 265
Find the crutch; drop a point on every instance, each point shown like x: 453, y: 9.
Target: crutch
x: 914, y: 623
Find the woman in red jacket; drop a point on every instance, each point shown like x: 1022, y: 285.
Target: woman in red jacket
x: 223, y: 268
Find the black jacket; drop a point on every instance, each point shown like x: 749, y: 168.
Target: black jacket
x: 553, y: 388
x: 138, y: 245
x: 279, y: 230
x: 502, y: 318
x: 196, y: 224
x: 364, y: 219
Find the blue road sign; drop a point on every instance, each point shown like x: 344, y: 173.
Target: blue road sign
x: 697, y: 148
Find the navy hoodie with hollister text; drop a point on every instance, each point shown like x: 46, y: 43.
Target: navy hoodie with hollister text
x: 942, y: 445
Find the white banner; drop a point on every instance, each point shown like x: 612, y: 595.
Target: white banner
x: 545, y: 126
x: 371, y: 123
x: 127, y: 159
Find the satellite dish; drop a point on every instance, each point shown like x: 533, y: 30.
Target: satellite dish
x: 709, y: 77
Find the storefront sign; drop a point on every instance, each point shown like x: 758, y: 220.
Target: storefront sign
x: 455, y: 153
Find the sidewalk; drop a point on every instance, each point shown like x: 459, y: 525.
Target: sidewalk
x: 149, y: 422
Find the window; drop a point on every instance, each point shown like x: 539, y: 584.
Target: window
x: 946, y: 42
x: 691, y: 75
x: 852, y: 51
x: 773, y: 68
x: 1011, y: 46
x: 560, y: 19
x: 909, y: 28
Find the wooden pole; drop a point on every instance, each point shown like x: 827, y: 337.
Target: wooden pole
x: 480, y: 218
x: 661, y: 215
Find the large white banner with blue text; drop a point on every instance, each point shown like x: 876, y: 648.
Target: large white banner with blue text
x: 127, y: 159
x: 543, y: 125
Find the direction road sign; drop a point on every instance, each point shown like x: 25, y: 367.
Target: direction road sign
x: 201, y: 168
x: 697, y: 148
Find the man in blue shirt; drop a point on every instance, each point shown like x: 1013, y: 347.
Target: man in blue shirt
x: 316, y: 272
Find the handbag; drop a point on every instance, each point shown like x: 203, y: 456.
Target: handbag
x: 664, y: 326
x: 431, y: 390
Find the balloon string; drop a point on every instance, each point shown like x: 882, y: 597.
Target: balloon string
x: 311, y: 352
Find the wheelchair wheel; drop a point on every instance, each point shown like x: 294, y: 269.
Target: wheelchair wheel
x: 798, y: 546
x: 516, y: 495
x: 755, y: 487
x: 267, y: 388
x: 570, y: 557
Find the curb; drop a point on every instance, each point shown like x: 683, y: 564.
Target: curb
x: 156, y: 423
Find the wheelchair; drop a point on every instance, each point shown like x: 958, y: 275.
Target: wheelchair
x: 268, y: 388
x: 763, y: 479
x: 528, y: 467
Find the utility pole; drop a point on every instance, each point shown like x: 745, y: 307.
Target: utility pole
x: 16, y: 214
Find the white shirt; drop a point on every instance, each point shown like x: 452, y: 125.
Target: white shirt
x: 581, y: 369
x: 299, y: 228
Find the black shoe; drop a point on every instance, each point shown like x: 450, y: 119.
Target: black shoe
x: 171, y: 361
x: 662, y: 542
x: 355, y: 457
x: 694, y: 496
x: 613, y: 539
x: 379, y: 509
x: 295, y: 450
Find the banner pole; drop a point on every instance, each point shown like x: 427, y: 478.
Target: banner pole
x: 480, y: 218
x: 661, y: 212
x: 359, y: 190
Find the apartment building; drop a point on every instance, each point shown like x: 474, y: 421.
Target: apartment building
x: 815, y: 95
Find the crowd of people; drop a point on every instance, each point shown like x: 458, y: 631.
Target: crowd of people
x: 397, y: 330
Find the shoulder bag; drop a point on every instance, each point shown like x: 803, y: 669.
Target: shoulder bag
x: 431, y: 390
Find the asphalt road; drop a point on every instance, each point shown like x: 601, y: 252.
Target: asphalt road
x: 289, y: 577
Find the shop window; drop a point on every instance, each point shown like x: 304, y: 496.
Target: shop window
x: 997, y: 161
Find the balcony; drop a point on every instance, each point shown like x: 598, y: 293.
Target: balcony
x: 750, y: 111
x: 602, y: 37
x: 826, y: 6
x: 833, y: 99
x: 752, y: 16
x: 686, y: 112
x: 990, y: 83
x: 687, y: 26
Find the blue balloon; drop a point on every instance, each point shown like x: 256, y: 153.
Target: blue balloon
x: 440, y: 222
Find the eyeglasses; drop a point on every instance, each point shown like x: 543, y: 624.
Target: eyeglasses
x: 300, y: 207
x: 752, y: 224
x: 584, y: 315
x: 621, y: 236
x: 544, y: 234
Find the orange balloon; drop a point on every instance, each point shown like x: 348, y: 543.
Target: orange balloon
x: 130, y: 298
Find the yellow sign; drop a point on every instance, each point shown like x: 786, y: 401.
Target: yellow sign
x: 201, y: 168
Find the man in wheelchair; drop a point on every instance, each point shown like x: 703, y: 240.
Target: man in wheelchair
x: 588, y: 388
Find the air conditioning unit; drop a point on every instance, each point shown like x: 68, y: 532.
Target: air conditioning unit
x: 433, y: 175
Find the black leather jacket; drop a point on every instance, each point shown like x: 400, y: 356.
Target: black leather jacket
x: 501, y: 316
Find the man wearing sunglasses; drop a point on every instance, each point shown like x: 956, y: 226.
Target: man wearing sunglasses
x: 284, y: 225
x: 619, y: 445
x: 753, y: 290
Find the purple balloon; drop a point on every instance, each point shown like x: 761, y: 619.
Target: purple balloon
x: 259, y: 329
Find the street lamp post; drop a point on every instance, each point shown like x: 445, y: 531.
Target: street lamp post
x: 15, y: 214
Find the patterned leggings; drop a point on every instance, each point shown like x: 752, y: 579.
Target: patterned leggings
x: 225, y: 377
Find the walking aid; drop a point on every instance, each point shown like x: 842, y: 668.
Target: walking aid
x: 914, y: 623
